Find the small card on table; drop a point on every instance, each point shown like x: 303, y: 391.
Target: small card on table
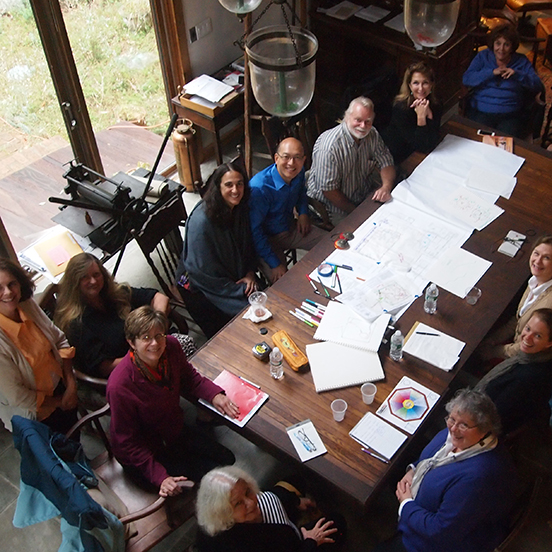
x: 306, y: 440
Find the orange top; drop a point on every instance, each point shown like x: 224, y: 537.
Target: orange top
x: 37, y: 350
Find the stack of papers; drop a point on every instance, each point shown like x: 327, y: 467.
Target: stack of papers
x: 377, y: 435
x: 433, y: 346
x: 208, y: 88
x: 349, y: 354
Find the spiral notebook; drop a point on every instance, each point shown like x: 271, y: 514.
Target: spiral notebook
x: 340, y: 324
x: 334, y: 366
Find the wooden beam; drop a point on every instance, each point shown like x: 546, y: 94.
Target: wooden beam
x: 53, y: 34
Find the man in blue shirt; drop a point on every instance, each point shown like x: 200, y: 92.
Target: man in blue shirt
x: 275, y: 192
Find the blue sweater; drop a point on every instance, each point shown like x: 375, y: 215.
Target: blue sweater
x: 271, y: 208
x: 493, y: 94
x: 460, y: 507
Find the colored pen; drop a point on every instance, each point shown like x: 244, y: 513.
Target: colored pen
x: 374, y: 455
x: 312, y: 284
x: 326, y: 292
x: 306, y: 317
x: 346, y: 267
x: 339, y: 283
x: 302, y: 319
x: 313, y: 310
x: 427, y: 333
x: 250, y: 382
x: 315, y: 304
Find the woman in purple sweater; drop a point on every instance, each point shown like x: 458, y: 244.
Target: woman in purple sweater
x: 148, y: 434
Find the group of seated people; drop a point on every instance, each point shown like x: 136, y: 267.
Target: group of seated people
x: 456, y: 497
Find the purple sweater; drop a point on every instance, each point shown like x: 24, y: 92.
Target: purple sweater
x: 144, y: 416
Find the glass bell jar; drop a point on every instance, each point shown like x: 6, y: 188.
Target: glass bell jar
x: 282, y: 74
x: 430, y: 23
x: 240, y: 6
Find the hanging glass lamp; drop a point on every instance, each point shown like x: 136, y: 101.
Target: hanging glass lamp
x: 240, y: 6
x: 430, y: 23
x: 282, y: 66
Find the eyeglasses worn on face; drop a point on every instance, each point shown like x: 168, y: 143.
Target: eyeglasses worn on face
x: 451, y: 422
x: 149, y: 338
x: 287, y: 157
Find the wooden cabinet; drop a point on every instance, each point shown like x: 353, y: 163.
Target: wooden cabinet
x: 349, y: 51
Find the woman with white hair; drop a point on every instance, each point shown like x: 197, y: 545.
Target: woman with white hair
x: 233, y: 515
x: 458, y: 496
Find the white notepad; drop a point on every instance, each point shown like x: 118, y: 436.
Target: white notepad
x: 334, y: 366
x: 373, y: 433
x: 340, y: 324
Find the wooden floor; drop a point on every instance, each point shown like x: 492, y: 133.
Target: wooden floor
x: 24, y: 206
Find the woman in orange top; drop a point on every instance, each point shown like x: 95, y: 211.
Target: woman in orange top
x: 36, y: 378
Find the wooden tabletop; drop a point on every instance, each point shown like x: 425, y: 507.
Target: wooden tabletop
x: 294, y: 398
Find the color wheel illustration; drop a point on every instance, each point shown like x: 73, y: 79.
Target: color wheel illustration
x: 408, y: 404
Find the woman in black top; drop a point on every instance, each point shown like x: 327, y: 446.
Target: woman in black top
x: 416, y: 116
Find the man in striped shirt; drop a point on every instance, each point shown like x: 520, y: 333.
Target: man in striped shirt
x: 346, y: 160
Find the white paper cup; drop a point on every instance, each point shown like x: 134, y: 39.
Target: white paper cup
x: 472, y: 295
x: 339, y: 407
x: 368, y: 391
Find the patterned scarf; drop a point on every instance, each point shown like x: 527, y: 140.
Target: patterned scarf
x: 159, y: 375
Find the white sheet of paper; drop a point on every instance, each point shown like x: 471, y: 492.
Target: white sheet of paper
x: 375, y: 434
x: 457, y: 270
x: 372, y: 13
x: 209, y: 88
x: 440, y: 350
x: 424, y: 400
x: 486, y: 180
x: 343, y: 10
x: 306, y: 440
x: 397, y: 23
x: 465, y: 205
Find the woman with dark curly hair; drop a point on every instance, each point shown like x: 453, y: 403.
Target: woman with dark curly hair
x: 217, y: 269
x: 416, y: 114
x: 502, y: 80
x: 36, y: 377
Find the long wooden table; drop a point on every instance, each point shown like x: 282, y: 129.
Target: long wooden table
x: 294, y: 398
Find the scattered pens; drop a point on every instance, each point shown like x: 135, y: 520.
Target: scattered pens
x: 346, y: 267
x: 427, y: 333
x: 374, y: 455
x: 326, y: 292
x: 250, y: 382
x: 306, y: 317
x: 312, y: 284
x: 302, y: 319
x: 339, y: 283
x: 315, y: 304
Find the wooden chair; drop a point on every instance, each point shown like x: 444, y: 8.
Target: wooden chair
x: 154, y: 517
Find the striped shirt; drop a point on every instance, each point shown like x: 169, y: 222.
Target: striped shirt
x: 340, y: 163
x: 273, y: 511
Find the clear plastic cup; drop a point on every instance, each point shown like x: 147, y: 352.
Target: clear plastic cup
x: 368, y: 391
x: 257, y: 300
x: 472, y: 295
x: 339, y: 407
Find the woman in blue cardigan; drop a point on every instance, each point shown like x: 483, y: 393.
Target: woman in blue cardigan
x: 458, y: 496
x: 503, y: 82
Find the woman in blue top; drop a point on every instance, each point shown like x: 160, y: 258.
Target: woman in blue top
x: 502, y: 80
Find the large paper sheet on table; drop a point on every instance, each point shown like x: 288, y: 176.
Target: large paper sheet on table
x: 457, y: 270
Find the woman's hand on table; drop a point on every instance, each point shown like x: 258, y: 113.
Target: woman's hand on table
x: 320, y: 532
x: 250, y: 283
x: 223, y: 404
x: 170, y: 486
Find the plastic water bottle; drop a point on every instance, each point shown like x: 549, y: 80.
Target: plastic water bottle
x: 430, y: 303
x: 276, y: 368
x: 396, y: 348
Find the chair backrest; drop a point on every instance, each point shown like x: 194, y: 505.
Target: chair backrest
x: 161, y: 242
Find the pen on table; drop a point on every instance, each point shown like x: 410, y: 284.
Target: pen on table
x: 374, y: 455
x: 339, y: 283
x: 306, y: 317
x: 312, y: 283
x: 250, y: 382
x: 346, y: 267
x: 315, y: 304
x: 326, y: 292
x: 312, y: 310
x: 302, y: 319
x: 427, y: 333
